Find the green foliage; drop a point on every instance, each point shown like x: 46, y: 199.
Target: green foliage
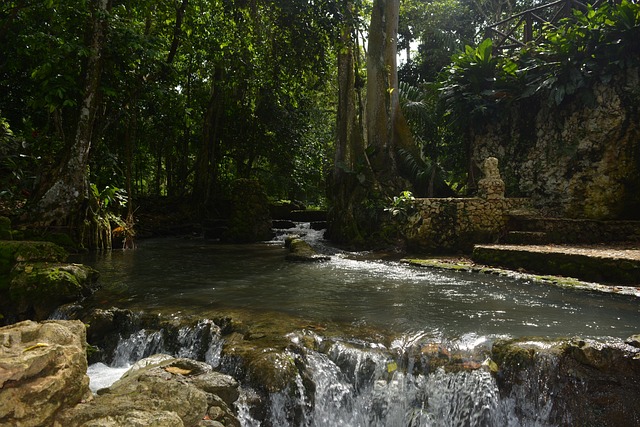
x: 106, y: 206
x: 438, y: 28
x: 472, y: 86
x: 438, y: 168
x: 264, y: 70
x: 401, y: 206
x: 589, y: 47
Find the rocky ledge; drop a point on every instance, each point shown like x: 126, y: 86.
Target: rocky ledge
x: 43, y: 382
x: 576, y: 381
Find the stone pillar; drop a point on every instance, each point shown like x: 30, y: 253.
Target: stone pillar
x: 491, y: 187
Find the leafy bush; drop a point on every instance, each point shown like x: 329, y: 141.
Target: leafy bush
x: 590, y: 46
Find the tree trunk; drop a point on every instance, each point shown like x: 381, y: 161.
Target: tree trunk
x: 350, y: 171
x: 61, y: 201
x: 206, y: 172
x: 387, y: 129
x: 364, y: 179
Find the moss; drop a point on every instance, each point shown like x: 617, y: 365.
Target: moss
x: 42, y: 286
x: 439, y: 264
x: 457, y: 264
x: 273, y: 371
x: 507, y: 352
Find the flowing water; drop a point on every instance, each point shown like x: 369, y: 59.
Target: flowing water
x: 357, y: 382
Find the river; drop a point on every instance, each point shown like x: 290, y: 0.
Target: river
x: 402, y: 304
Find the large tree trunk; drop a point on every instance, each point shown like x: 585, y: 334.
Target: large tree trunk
x: 206, y: 169
x: 387, y: 129
x: 61, y: 200
x: 349, y: 155
x: 364, y: 179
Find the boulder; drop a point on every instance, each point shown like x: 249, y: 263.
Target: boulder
x: 15, y: 251
x: 37, y: 289
x: 42, y: 371
x: 35, y: 280
x: 300, y: 250
x: 160, y: 390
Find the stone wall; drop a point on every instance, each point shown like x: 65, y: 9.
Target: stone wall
x: 579, y: 159
x: 455, y: 224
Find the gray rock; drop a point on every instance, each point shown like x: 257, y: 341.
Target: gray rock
x: 173, y: 391
x: 42, y: 371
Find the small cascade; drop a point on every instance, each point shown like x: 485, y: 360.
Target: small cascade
x: 414, y: 382
x: 347, y: 385
x: 304, y: 230
x: 200, y: 342
x: 137, y: 346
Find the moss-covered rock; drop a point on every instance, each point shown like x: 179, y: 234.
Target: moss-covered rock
x: 41, y: 287
x: 547, y: 260
x: 576, y: 381
x: 12, y: 252
x: 273, y: 371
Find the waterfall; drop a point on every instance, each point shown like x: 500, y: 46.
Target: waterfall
x: 200, y: 342
x: 354, y: 386
x: 347, y: 383
x: 304, y: 230
x: 363, y: 388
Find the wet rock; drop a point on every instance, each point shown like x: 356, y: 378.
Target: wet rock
x: 634, y: 341
x: 161, y: 390
x: 41, y: 287
x: 300, y: 250
x: 578, y: 382
x: 273, y: 371
x: 42, y: 371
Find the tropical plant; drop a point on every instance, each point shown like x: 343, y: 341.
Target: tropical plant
x: 436, y: 170
x: 106, y: 206
x: 586, y: 48
x: 400, y: 207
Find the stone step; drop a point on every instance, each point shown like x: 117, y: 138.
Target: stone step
x: 611, y: 266
x: 526, y: 237
x: 568, y: 230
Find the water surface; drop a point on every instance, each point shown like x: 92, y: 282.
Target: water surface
x: 193, y: 276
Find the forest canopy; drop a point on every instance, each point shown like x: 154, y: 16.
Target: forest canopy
x: 106, y: 102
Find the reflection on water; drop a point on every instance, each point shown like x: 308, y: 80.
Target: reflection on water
x: 192, y: 276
